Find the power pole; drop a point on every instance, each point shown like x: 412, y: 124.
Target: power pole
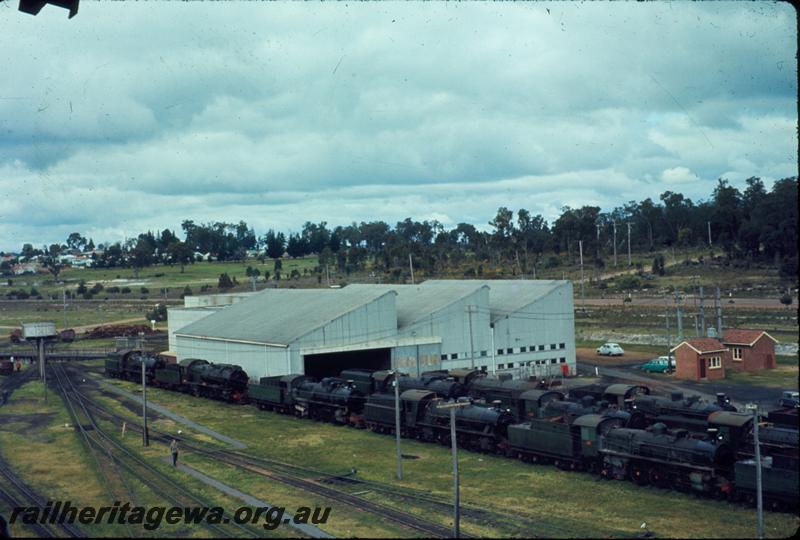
x: 411, y: 265
x: 615, y: 244
x: 702, y: 313
x: 597, y: 250
x: 454, y: 448
x: 145, y: 439
x: 494, y: 360
x: 471, y: 344
x: 629, y: 244
x: 327, y: 276
x: 709, y: 233
x: 65, y: 308
x: 719, y: 314
x: 583, y: 297
x: 679, y: 315
x: 397, y: 424
x: 759, y: 500
x: 666, y: 316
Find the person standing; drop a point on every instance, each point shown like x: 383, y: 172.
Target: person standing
x: 173, y: 448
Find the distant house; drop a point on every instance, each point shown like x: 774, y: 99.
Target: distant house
x: 701, y: 359
x: 751, y: 350
x: 25, y: 268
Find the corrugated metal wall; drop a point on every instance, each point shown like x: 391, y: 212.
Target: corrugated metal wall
x: 544, y: 325
x: 415, y: 359
x: 178, y: 318
x: 452, y: 324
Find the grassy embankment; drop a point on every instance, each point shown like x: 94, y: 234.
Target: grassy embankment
x: 40, y: 443
x: 561, y: 503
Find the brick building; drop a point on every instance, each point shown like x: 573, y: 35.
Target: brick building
x: 751, y: 350
x: 701, y: 359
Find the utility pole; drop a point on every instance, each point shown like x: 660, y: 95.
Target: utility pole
x: 615, y: 244
x: 629, y: 244
x: 718, y: 303
x: 471, y: 343
x: 494, y: 361
x: 397, y: 423
x: 583, y: 297
x: 454, y: 447
x: 411, y: 265
x: 253, y: 282
x: 145, y: 439
x: 709, y: 233
x: 679, y: 315
x: 666, y: 316
x: 597, y: 250
x: 702, y: 313
x: 65, y: 308
x: 327, y: 276
x: 759, y: 500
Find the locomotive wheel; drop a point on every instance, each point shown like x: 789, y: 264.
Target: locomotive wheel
x: 638, y: 475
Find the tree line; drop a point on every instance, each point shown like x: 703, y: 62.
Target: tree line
x: 756, y: 224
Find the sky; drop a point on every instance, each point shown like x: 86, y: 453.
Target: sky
x: 135, y: 116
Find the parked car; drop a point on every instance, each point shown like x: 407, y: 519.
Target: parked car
x: 789, y: 398
x: 610, y: 349
x: 662, y: 364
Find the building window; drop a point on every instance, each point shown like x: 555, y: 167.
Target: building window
x: 510, y: 365
x: 541, y: 347
x: 523, y: 349
x: 562, y: 345
x: 454, y: 356
x: 737, y: 353
x: 553, y: 360
x: 499, y: 351
x: 532, y: 348
x: 444, y: 357
x: 562, y: 360
x: 510, y: 350
x: 484, y: 353
x: 483, y: 368
x: 501, y: 366
x: 552, y: 346
x: 715, y: 362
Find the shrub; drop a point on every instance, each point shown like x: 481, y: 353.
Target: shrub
x: 786, y: 299
x: 126, y: 290
x: 113, y: 289
x: 224, y: 281
x: 144, y: 290
x: 624, y: 283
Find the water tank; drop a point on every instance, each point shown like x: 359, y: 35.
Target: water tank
x: 39, y: 330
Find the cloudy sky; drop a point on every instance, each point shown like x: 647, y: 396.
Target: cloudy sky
x: 138, y: 115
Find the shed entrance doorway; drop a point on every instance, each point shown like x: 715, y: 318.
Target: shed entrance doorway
x: 331, y: 364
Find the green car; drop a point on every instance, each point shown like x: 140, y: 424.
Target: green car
x: 662, y: 364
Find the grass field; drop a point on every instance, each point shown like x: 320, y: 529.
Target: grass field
x: 785, y: 375
x: 561, y: 503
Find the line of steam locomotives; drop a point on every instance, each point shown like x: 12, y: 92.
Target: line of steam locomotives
x: 618, y: 431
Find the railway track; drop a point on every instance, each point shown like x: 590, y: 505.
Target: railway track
x: 293, y: 479
x: 18, y: 494
x: 151, y: 477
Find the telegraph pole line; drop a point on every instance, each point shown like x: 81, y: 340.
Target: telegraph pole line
x: 397, y: 424
x: 718, y: 303
x: 454, y: 448
x: 702, y: 313
x: 471, y: 343
x: 679, y: 315
x: 145, y: 439
x: 411, y: 265
x: 709, y: 233
x: 597, y: 251
x: 666, y: 316
x: 615, y: 244
x: 583, y: 297
x: 629, y: 244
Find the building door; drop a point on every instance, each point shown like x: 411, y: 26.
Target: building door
x: 770, y: 363
x: 702, y: 368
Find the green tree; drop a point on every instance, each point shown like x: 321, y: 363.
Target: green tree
x: 224, y: 281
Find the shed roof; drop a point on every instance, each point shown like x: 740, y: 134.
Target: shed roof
x: 702, y: 345
x: 741, y: 336
x: 415, y: 302
x: 507, y: 296
x: 280, y: 316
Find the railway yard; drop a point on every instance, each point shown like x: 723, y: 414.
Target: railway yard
x: 76, y: 450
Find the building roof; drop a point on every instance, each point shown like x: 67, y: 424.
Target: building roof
x: 744, y: 337
x: 280, y: 316
x: 507, y: 296
x: 415, y: 302
x: 702, y: 345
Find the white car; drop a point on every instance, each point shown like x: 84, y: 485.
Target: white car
x: 610, y: 349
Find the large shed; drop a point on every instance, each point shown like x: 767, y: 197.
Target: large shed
x: 318, y: 332
x: 531, y: 324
